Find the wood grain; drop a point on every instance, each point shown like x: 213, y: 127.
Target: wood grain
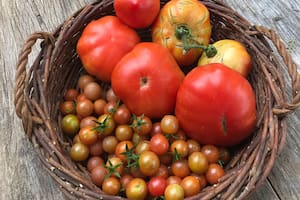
x: 22, y: 175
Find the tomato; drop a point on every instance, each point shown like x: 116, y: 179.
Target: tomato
x: 173, y: 180
x: 136, y: 189
x: 211, y: 152
x: 88, y: 135
x: 99, y: 105
x: 71, y: 94
x: 123, y: 132
x: 169, y: 124
x: 98, y: 175
x: 137, y: 13
x: 231, y: 53
x: 79, y: 152
x: 157, y: 186
x: 111, y: 186
x: 84, y: 80
x: 70, y: 124
x: 121, y: 148
x: 190, y: 185
x: 148, y: 163
x: 142, y: 78
x: 96, y: 149
x: 88, y: 121
x: 111, y: 96
x: 198, y: 163
x: 214, y: 173
x: 125, y: 179
x: 84, y: 108
x: 180, y: 147
x: 201, y: 179
x: 156, y: 128
x: 142, y: 125
x: 166, y: 158
x: 162, y: 171
x: 224, y: 155
x: 103, y: 43
x: 105, y: 124
x: 180, y: 168
x: 159, y: 144
x: 68, y: 107
x: 109, y: 144
x: 142, y: 146
x: 122, y: 115
x: 174, y: 192
x: 93, y: 162
x: 193, y: 146
x: 179, y: 21
x: 93, y: 91
x: 216, y: 105
x: 115, y: 166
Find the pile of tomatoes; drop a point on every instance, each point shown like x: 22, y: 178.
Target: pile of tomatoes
x: 155, y: 119
x: 131, y: 155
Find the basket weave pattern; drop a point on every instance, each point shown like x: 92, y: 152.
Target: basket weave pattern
x: 39, y: 89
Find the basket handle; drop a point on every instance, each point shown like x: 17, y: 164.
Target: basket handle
x: 291, y: 67
x: 21, y: 74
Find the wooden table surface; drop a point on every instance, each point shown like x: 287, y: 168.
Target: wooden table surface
x: 21, y: 172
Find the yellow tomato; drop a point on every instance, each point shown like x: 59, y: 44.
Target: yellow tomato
x: 230, y: 53
x: 181, y: 20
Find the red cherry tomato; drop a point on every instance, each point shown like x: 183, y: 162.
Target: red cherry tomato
x: 159, y: 144
x: 225, y: 100
x: 157, y: 186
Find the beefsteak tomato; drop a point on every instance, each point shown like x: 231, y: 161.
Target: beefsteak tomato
x: 216, y: 105
x: 103, y: 43
x: 137, y: 13
x: 231, y: 53
x: 147, y: 80
x: 181, y: 26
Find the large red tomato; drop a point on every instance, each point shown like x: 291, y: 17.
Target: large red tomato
x: 147, y: 80
x: 103, y: 43
x: 137, y: 13
x: 216, y: 105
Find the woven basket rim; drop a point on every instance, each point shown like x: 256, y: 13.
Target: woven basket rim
x: 248, y: 168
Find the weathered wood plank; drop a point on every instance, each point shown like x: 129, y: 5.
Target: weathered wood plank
x: 21, y: 171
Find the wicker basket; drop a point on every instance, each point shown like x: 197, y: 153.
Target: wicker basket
x: 39, y: 89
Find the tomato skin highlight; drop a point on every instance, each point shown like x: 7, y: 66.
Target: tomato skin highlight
x: 97, y: 45
x: 216, y: 105
x: 147, y: 80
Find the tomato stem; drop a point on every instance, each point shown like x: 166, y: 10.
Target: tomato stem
x: 183, y: 33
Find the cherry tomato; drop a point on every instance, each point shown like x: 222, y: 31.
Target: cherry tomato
x: 123, y: 132
x: 136, y: 189
x: 173, y: 180
x: 111, y: 186
x: 180, y: 168
x: 137, y: 13
x: 98, y: 175
x: 201, y: 179
x: 79, y: 152
x: 157, y: 186
x: 110, y: 107
x: 115, y: 166
x: 148, y: 163
x: 88, y: 135
x: 97, y: 48
x: 93, y: 162
x: 198, y: 163
x: 109, y: 144
x: 122, y: 115
x: 142, y: 125
x: 169, y: 124
x: 121, y: 148
x: 84, y: 80
x: 231, y: 53
x: 174, y: 192
x: 105, y: 124
x: 99, y: 105
x: 214, y: 173
x: 227, y: 105
x: 142, y: 146
x: 84, y: 108
x: 96, y: 149
x: 156, y: 128
x: 159, y: 144
x: 193, y: 146
x: 162, y: 171
x: 166, y: 158
x: 68, y: 107
x: 125, y: 179
x: 190, y: 185
x: 71, y: 94
x: 180, y: 147
x: 70, y: 124
x: 224, y: 155
x: 93, y: 91
x: 211, y: 152
x: 150, y: 70
x: 111, y: 96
